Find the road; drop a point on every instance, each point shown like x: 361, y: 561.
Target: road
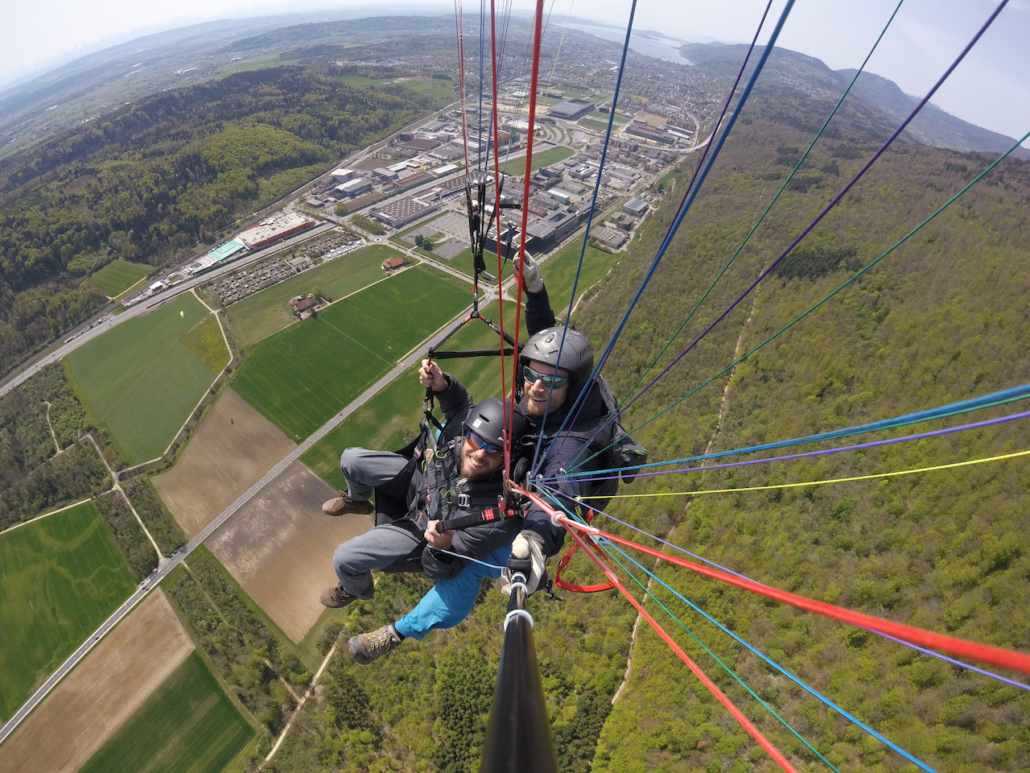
x: 109, y: 320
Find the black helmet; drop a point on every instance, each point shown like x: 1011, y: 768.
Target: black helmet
x: 577, y: 357
x: 487, y: 420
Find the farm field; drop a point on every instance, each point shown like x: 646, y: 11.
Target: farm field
x: 61, y: 577
x: 391, y: 418
x: 140, y: 380
x: 517, y: 167
x: 279, y: 548
x: 267, y: 312
x: 233, y: 448
x: 206, y: 341
x: 103, y: 691
x: 118, y: 276
x: 300, y: 377
x: 189, y: 723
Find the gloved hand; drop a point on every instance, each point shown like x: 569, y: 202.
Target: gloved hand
x: 529, y: 545
x: 531, y: 280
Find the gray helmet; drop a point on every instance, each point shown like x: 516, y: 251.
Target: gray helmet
x: 577, y: 357
x: 487, y: 420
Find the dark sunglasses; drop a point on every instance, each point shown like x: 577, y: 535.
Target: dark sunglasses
x: 549, y: 381
x: 478, y: 443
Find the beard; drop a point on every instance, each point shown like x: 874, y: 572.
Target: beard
x: 477, y: 468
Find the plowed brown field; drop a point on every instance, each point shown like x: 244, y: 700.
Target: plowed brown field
x: 105, y: 690
x: 279, y: 547
x: 233, y: 448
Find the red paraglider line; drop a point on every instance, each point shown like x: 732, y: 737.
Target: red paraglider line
x: 753, y: 731
x: 984, y: 653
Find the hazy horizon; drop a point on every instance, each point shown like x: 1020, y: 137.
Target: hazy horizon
x: 989, y: 89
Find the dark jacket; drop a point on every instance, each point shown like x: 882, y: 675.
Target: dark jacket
x: 571, y: 448
x: 438, y: 491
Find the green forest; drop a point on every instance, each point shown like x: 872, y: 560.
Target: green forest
x: 168, y: 173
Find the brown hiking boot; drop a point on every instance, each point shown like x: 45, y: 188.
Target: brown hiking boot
x: 335, y: 597
x: 343, y: 504
x: 370, y: 646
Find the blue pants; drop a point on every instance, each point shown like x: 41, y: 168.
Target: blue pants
x: 450, y: 601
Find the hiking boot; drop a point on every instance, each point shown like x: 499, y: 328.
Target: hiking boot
x: 335, y: 597
x: 370, y: 646
x: 343, y: 504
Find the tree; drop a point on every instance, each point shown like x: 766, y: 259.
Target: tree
x: 341, y: 209
x: 427, y: 245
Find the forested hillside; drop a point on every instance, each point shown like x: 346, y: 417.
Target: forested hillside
x: 164, y: 175
x: 942, y: 318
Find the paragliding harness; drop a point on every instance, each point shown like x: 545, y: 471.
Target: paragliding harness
x: 480, y: 501
x: 623, y: 452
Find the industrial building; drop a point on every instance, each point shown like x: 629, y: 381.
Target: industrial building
x: 398, y: 213
x: 635, y: 207
x: 650, y: 134
x: 218, y: 255
x: 273, y: 228
x: 572, y: 110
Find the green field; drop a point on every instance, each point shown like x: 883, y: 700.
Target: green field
x: 391, y: 418
x: 60, y: 578
x: 140, y: 380
x: 118, y: 276
x: 300, y: 377
x: 517, y: 167
x: 262, y: 314
x: 597, y: 126
x: 188, y: 724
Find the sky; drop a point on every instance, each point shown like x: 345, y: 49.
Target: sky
x: 991, y: 88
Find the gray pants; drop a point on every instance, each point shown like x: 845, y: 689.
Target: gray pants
x: 364, y: 470
x: 379, y: 548
x: 384, y: 545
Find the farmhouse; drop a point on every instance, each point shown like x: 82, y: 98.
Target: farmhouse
x: 303, y: 304
x: 394, y: 263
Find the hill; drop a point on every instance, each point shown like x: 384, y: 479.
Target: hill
x: 932, y: 126
x: 160, y: 176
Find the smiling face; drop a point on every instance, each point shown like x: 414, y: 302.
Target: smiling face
x: 536, y: 393
x: 477, y: 463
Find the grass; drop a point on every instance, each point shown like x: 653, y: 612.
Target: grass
x: 559, y: 273
x: 300, y: 377
x: 262, y: 314
x: 590, y: 123
x: 140, y: 380
x: 263, y: 63
x: 597, y: 115
x: 205, y: 341
x: 517, y: 167
x: 187, y: 724
x: 396, y: 238
x: 118, y: 276
x: 60, y: 578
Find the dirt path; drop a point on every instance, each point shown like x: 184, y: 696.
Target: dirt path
x: 57, y: 446
x: 116, y: 486
x: 690, y: 501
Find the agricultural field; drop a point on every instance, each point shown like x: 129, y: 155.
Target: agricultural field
x: 61, y: 577
x: 279, y: 548
x: 140, y: 380
x: 118, y: 276
x: 189, y: 723
x: 517, y: 167
x: 206, y: 341
x: 268, y: 311
x: 233, y: 448
x: 391, y: 418
x: 300, y: 377
x: 102, y: 693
